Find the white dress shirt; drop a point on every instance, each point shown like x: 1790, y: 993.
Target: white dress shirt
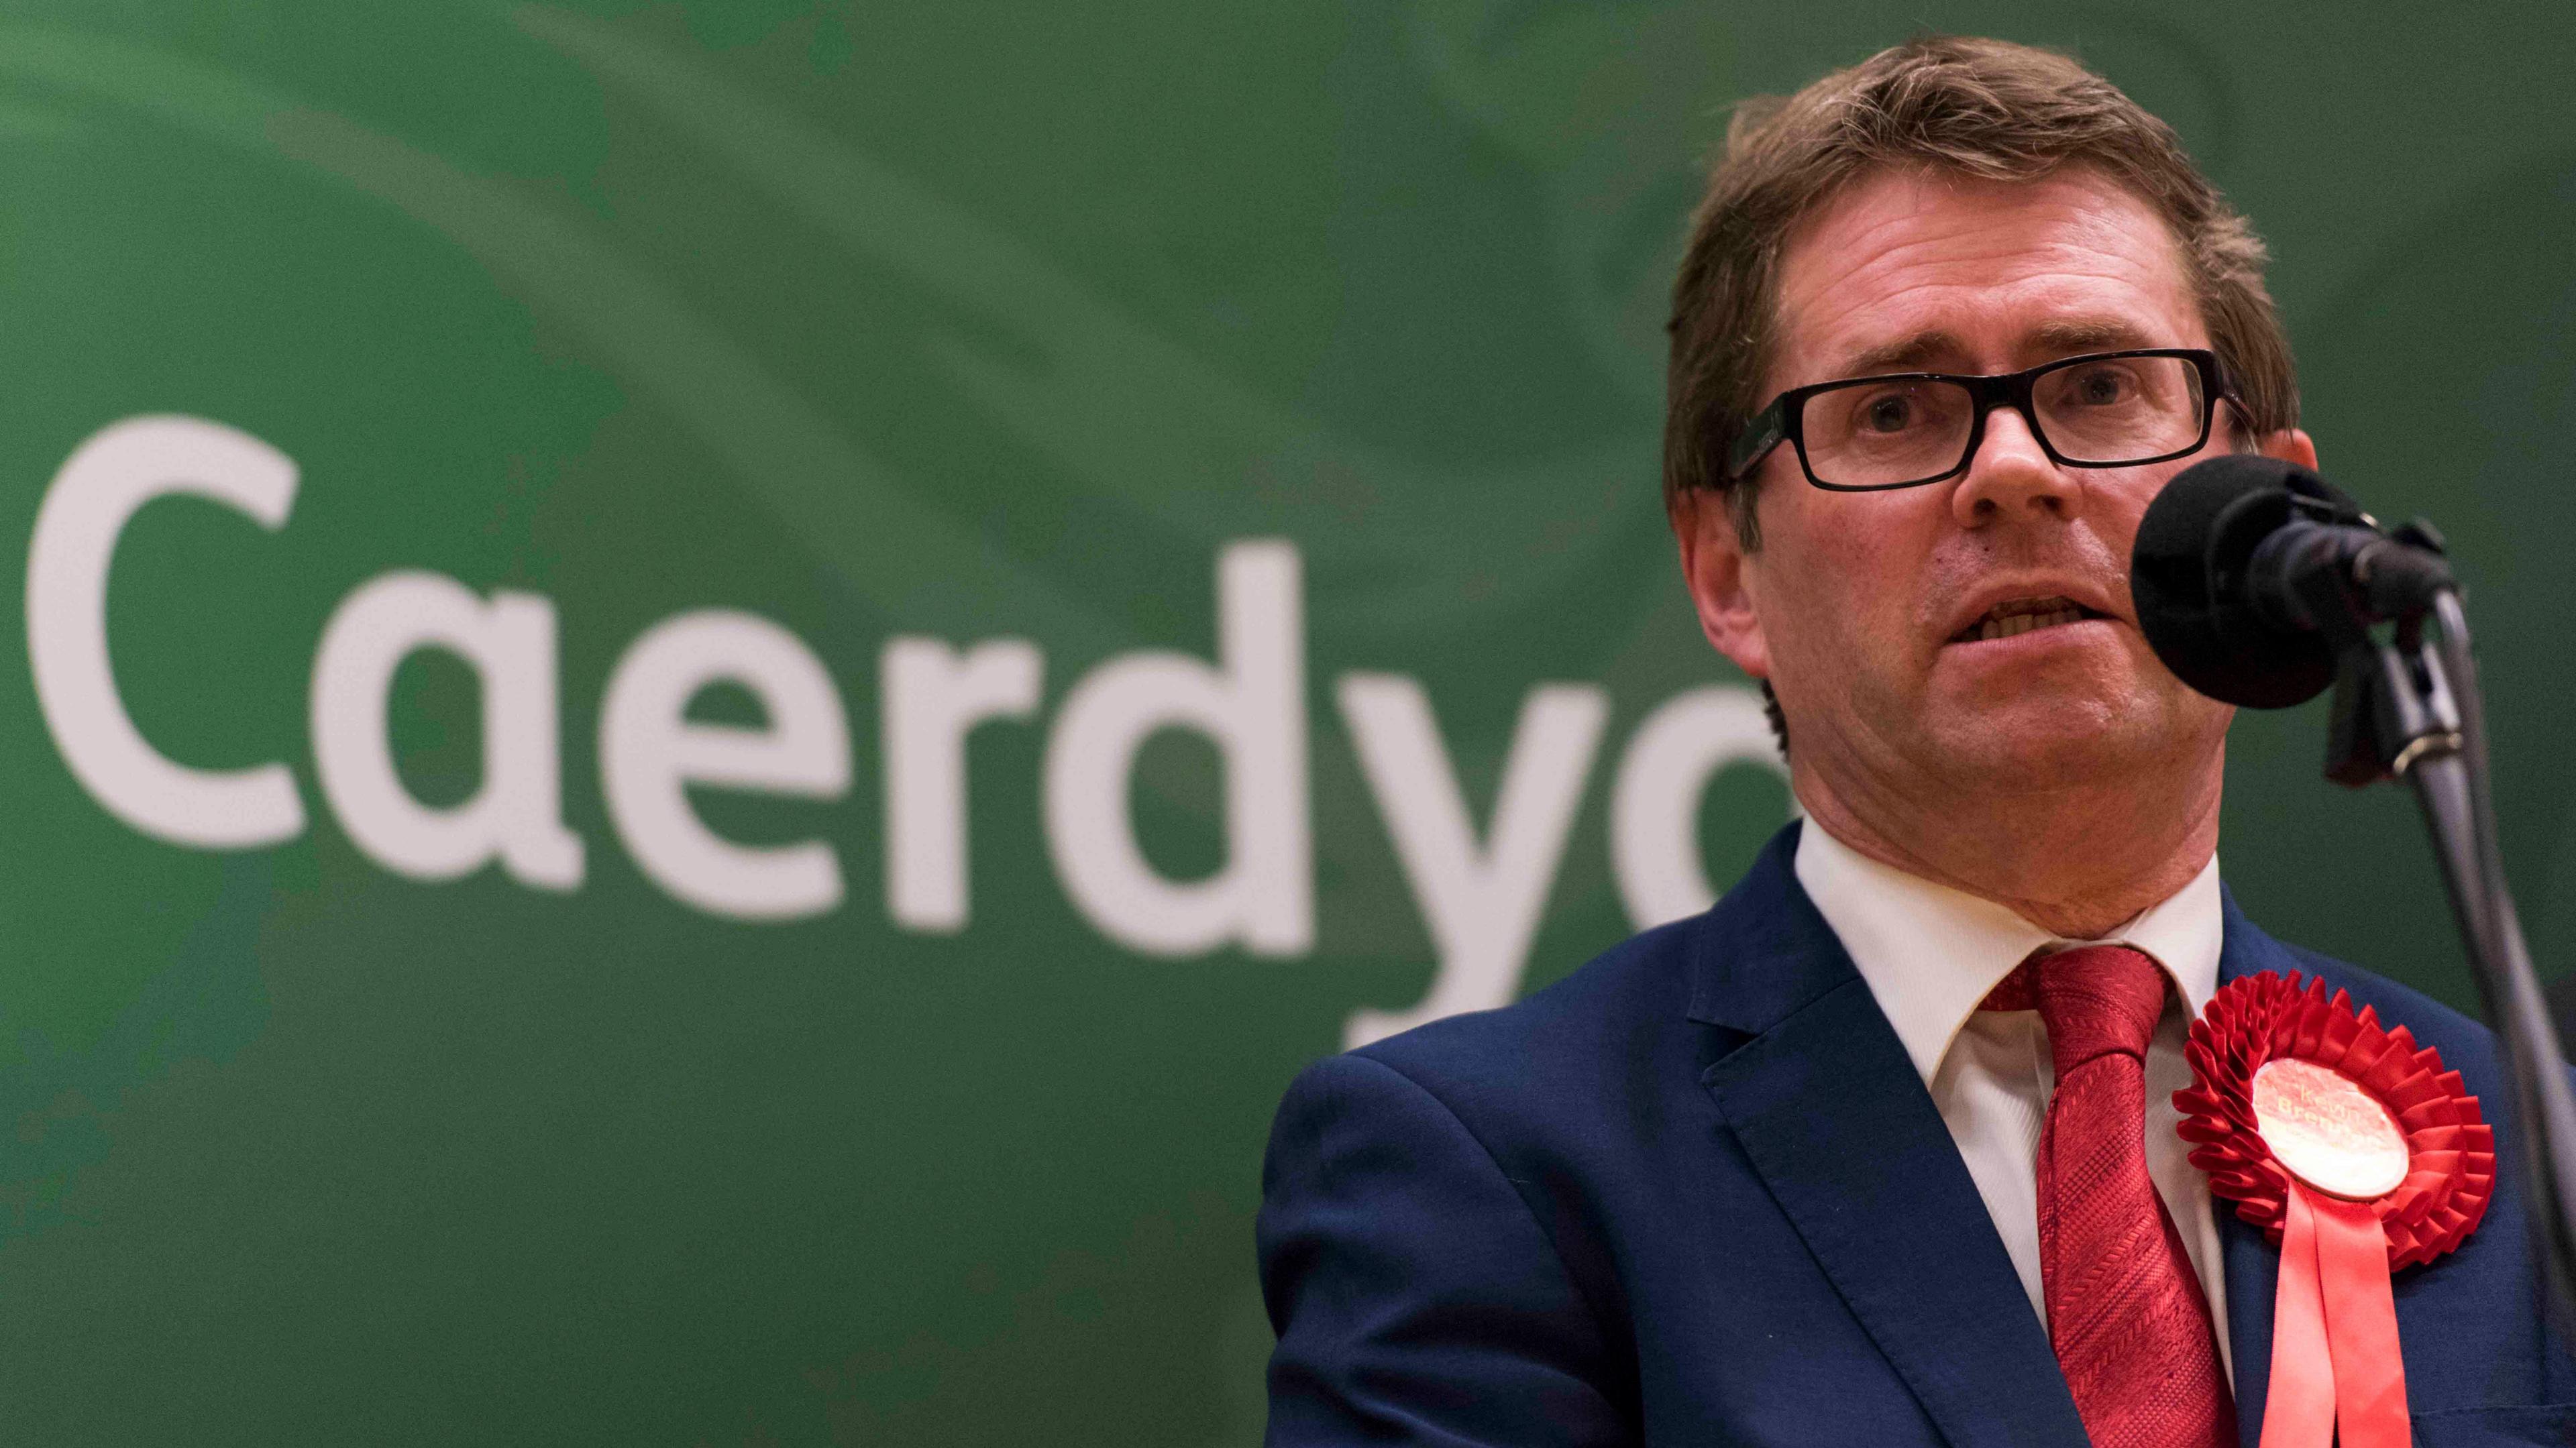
x: 1930, y: 953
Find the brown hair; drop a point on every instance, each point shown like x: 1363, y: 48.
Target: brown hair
x: 1986, y: 108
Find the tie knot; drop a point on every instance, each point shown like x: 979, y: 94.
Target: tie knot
x: 2098, y: 1000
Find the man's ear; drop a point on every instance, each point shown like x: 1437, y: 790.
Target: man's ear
x: 2291, y: 445
x: 1722, y: 578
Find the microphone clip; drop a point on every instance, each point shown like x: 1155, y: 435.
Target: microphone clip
x: 2393, y: 707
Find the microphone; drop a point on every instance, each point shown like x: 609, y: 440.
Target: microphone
x: 2234, y: 560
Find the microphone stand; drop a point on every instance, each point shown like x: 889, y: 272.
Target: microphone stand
x: 2408, y: 709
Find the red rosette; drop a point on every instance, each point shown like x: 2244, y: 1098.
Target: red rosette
x: 2261, y: 1018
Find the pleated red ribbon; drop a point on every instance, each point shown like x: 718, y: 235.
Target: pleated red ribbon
x: 2335, y: 1357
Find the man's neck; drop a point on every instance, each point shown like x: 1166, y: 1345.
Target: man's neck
x: 2075, y: 862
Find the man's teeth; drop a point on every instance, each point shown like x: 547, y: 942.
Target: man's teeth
x: 2022, y: 623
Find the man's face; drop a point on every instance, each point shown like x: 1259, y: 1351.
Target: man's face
x: 1866, y: 610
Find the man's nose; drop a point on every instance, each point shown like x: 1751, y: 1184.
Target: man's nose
x: 2011, y: 478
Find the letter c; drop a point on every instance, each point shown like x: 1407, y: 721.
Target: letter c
x: 100, y: 487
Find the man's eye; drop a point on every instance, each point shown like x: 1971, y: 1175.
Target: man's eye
x: 1888, y: 414
x: 2102, y: 386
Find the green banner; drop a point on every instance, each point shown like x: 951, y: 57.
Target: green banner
x: 715, y: 693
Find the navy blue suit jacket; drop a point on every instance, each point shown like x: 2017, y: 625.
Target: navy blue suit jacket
x: 1696, y: 1193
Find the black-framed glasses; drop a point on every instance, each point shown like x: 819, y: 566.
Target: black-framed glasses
x: 2100, y: 410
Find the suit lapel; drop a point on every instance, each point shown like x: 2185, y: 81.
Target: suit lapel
x: 1830, y: 1112
x: 2252, y: 1265
x: 2253, y: 1270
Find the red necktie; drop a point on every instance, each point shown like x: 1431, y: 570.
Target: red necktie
x: 2126, y: 1315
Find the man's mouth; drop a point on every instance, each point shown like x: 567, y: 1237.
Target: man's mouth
x: 2021, y: 616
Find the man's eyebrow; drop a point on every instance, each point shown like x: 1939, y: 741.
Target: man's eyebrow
x: 2060, y: 337
x: 2067, y: 336
x: 1906, y: 354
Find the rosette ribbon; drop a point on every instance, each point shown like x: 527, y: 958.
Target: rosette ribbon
x: 2330, y: 1186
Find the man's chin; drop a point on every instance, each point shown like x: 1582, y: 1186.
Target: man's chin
x: 2042, y: 742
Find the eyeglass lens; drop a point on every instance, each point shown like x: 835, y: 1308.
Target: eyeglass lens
x: 2099, y: 410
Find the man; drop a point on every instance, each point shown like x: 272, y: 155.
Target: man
x: 1777, y: 1174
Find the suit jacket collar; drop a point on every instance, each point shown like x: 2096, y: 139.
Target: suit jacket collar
x: 1830, y: 1112
x: 1764, y: 952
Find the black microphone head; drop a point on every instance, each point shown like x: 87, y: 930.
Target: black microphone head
x: 2186, y: 578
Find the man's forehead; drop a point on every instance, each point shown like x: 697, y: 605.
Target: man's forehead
x: 1910, y: 270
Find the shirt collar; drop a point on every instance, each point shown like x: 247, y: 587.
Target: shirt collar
x: 1930, y: 953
